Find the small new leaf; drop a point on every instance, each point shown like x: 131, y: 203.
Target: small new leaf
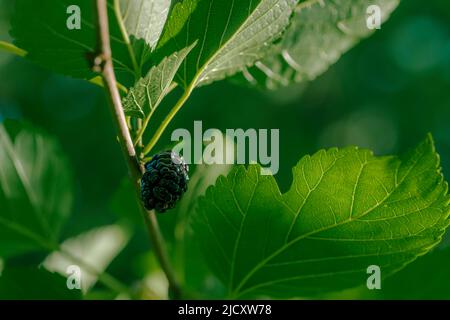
x: 346, y: 210
x: 146, y: 95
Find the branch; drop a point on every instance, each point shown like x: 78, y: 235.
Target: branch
x: 104, y: 65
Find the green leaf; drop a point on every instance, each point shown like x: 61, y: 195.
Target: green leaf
x: 40, y: 27
x: 346, y: 210
x: 96, y: 248
x: 146, y: 95
x: 35, y: 189
x: 427, y: 278
x: 143, y: 22
x: 34, y: 284
x: 320, y: 32
x: 145, y: 19
x: 193, y: 273
x: 231, y: 35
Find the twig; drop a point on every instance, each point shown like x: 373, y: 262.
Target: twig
x: 161, y: 252
x: 104, y: 65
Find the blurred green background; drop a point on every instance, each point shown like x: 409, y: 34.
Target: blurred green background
x: 385, y: 95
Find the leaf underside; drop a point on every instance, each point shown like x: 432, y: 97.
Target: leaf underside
x: 146, y: 95
x: 97, y: 247
x: 320, y: 32
x: 346, y: 210
x: 145, y: 19
x: 231, y: 35
x: 235, y: 38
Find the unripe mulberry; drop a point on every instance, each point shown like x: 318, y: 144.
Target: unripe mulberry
x: 164, y: 181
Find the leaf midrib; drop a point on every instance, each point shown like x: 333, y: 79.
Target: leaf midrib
x: 199, y: 73
x: 310, y: 191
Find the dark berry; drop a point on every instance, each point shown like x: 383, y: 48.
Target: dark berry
x: 164, y: 181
